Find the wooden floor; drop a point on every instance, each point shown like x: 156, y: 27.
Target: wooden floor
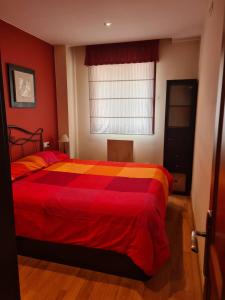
x: 178, y: 279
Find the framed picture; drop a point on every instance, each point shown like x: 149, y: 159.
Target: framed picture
x: 21, y: 86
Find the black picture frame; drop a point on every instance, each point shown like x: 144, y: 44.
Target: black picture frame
x: 22, y: 89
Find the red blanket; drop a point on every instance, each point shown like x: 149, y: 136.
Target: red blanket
x: 112, y: 206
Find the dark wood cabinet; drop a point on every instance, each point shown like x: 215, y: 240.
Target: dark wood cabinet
x: 181, y: 99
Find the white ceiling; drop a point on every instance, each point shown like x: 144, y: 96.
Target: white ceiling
x: 80, y: 22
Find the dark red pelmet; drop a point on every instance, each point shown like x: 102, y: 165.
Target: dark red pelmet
x: 122, y: 53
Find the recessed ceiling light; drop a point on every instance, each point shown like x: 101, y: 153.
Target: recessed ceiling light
x: 107, y: 24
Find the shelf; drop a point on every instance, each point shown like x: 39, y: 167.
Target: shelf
x: 179, y: 105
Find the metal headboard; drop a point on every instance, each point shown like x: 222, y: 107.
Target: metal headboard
x: 29, y: 137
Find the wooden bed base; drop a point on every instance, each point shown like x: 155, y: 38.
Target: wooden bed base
x: 83, y: 257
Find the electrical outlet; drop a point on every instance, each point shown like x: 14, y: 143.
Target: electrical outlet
x: 46, y: 144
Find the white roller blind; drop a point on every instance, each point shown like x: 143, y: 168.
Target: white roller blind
x: 122, y: 98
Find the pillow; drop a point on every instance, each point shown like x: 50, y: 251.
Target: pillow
x: 26, y: 165
x: 33, y: 162
x: 19, y: 170
x: 51, y: 157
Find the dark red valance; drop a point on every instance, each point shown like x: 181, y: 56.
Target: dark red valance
x: 122, y: 53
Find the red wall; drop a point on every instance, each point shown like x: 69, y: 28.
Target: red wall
x: 18, y: 47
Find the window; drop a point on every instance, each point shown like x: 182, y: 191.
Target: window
x: 122, y: 98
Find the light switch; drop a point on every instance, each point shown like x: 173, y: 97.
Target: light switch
x: 46, y: 144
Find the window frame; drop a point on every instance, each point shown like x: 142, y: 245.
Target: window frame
x: 128, y: 134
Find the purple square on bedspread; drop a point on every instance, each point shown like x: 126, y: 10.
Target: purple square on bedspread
x: 57, y: 178
x: 124, y: 184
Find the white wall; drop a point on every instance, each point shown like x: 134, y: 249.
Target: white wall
x: 72, y: 109
x: 177, y: 61
x: 65, y: 93
x: 210, y: 58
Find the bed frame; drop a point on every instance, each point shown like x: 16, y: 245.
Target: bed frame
x: 20, y: 137
x: 90, y: 258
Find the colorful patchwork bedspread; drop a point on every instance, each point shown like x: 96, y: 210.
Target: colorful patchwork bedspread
x: 112, y: 206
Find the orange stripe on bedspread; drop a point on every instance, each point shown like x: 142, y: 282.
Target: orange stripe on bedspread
x: 113, y: 170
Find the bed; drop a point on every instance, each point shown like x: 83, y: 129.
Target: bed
x: 101, y: 215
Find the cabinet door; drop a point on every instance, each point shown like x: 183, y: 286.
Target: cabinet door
x: 177, y: 151
x: 181, y: 96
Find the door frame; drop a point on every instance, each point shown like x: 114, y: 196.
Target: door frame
x: 209, y: 250
x: 9, y: 278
